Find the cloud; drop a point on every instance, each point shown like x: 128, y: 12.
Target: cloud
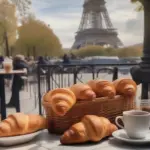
x: 64, y: 18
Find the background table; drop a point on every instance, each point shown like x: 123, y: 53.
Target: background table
x: 2, y: 89
x: 45, y: 141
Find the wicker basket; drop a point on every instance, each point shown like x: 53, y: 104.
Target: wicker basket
x: 106, y: 107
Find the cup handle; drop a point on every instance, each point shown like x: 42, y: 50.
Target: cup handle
x: 117, y: 119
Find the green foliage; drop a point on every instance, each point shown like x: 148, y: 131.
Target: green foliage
x: 139, y: 4
x: 129, y: 52
x: 101, y: 51
x: 35, y: 37
x: 94, y: 51
x: 90, y: 51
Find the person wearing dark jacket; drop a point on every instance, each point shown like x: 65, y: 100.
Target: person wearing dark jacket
x: 66, y: 59
x: 42, y: 61
x: 18, y: 64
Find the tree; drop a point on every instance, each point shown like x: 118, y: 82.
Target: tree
x: 36, y: 38
x: 8, y: 24
x: 90, y: 51
x: 95, y: 51
x: 129, y: 52
x: 22, y: 6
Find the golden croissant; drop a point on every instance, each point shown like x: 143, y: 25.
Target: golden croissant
x: 20, y: 124
x: 61, y: 100
x: 83, y: 91
x: 102, y: 88
x: 91, y: 128
x: 125, y: 87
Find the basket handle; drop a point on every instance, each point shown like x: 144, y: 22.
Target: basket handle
x: 117, y: 121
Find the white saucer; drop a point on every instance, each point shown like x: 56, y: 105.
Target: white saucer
x: 121, y: 135
x: 15, y: 140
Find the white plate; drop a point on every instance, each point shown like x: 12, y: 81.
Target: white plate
x: 121, y: 135
x: 15, y: 140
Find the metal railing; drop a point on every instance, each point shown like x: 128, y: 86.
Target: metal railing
x: 49, y: 77
x: 57, y: 76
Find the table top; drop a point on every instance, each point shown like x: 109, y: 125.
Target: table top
x: 3, y: 72
x: 46, y: 141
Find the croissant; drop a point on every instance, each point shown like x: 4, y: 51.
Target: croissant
x: 46, y: 96
x: 125, y: 87
x: 91, y: 128
x: 83, y: 91
x: 20, y: 124
x: 61, y: 100
x: 102, y: 88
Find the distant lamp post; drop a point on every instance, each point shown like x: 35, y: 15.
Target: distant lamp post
x: 34, y: 51
x: 141, y: 73
x: 11, y: 50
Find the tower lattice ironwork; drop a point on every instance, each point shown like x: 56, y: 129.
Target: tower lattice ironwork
x: 96, y: 27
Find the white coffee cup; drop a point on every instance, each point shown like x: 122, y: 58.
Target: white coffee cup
x: 136, y: 123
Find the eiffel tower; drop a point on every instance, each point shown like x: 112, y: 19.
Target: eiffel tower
x: 96, y: 27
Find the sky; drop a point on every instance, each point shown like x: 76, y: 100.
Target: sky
x: 64, y: 17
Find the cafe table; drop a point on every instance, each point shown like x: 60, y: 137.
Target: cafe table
x: 46, y: 141
x: 2, y: 90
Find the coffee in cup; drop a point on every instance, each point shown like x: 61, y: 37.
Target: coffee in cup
x: 136, y: 123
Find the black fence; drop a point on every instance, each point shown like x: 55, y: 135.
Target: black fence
x: 57, y: 76
x: 49, y: 77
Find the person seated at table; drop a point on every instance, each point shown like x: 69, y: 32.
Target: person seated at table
x: 19, y: 63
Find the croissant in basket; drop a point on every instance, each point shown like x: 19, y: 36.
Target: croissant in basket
x: 125, y: 87
x: 102, y: 88
x: 20, y: 124
x: 91, y: 128
x: 83, y: 91
x: 61, y: 100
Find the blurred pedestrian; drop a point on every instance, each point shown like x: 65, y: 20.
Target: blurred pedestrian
x: 19, y: 63
x: 66, y: 59
x: 42, y: 61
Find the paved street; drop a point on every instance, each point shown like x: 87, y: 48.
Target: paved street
x: 28, y: 100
